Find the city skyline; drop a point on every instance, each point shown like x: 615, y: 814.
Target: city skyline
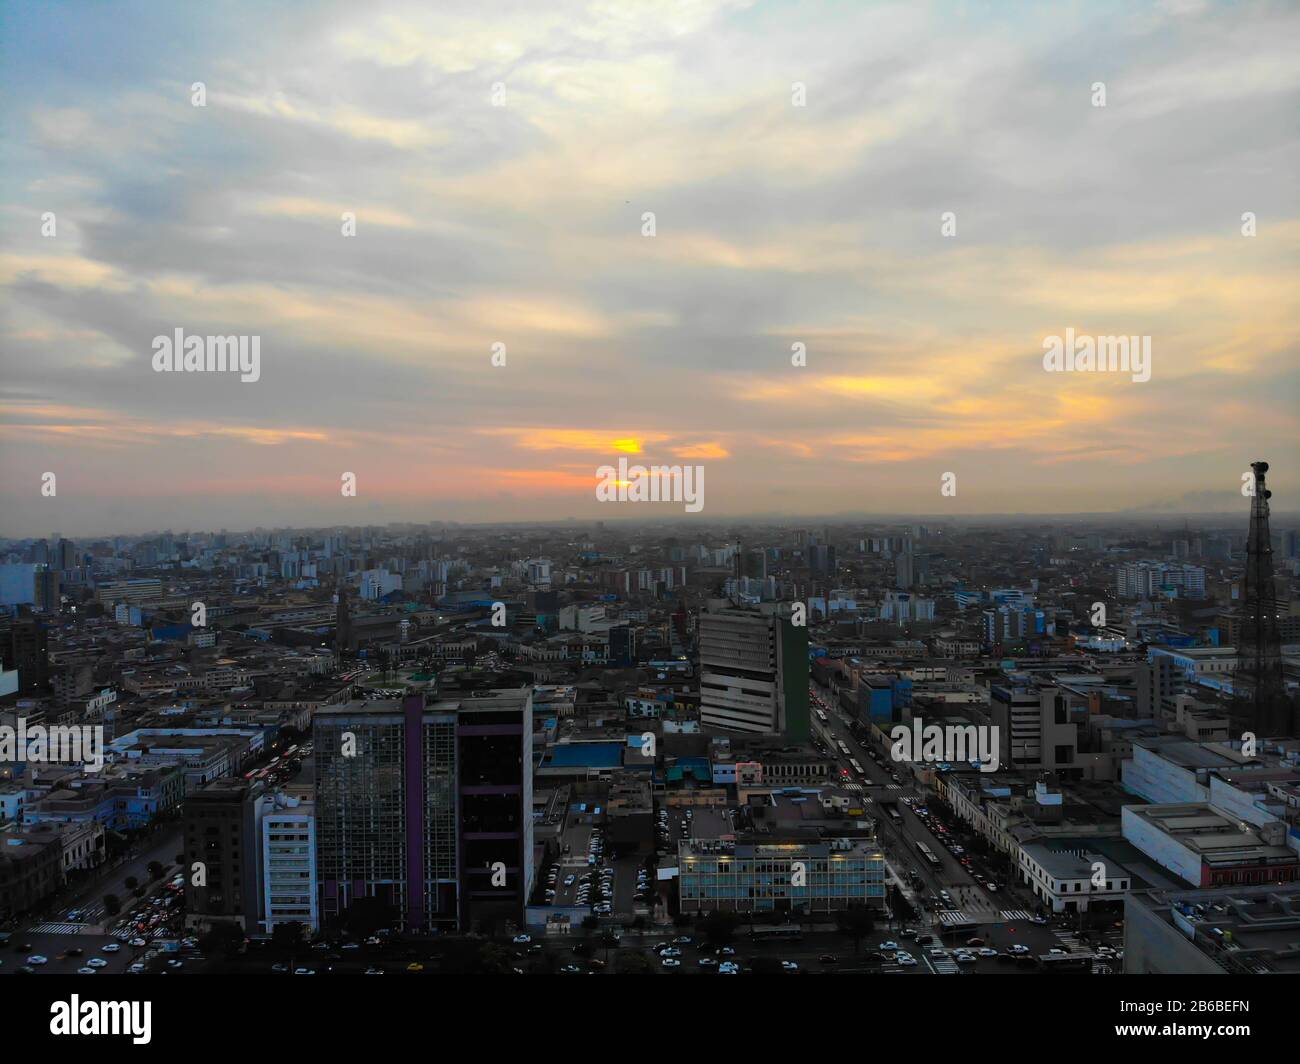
x: 498, y: 168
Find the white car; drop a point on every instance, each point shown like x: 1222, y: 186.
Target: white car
x: 97, y: 962
x: 522, y: 940
x: 112, y: 947
x: 789, y: 966
x: 905, y: 959
x: 91, y: 971
x: 1017, y: 949
x: 671, y: 962
x: 987, y: 951
x: 37, y: 959
x: 728, y: 968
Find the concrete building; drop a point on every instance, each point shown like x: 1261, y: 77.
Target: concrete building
x: 1206, y: 848
x: 1224, y: 931
x: 780, y: 875
x: 289, y: 885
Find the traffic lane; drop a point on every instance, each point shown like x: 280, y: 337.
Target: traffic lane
x: 54, y: 948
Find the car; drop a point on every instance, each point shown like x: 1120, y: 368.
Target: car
x: 683, y: 940
x: 671, y: 962
x: 789, y: 966
x: 522, y: 940
x: 937, y: 951
x: 829, y: 958
x: 707, y: 962
x: 568, y: 880
x: 728, y: 968
x: 992, y: 888
x: 1040, y: 920
x: 97, y: 962
x: 1006, y: 958
x: 138, y: 942
x: 891, y: 946
x: 91, y: 971
x: 374, y: 971
x: 111, y: 947
x: 1059, y: 952
x: 726, y: 951
x: 415, y: 966
x: 905, y: 959
x: 304, y: 971
x: 37, y: 959
x: 1018, y: 949
x: 136, y: 969
x: 173, y: 963
x: 976, y: 941
x: 669, y: 951
x: 570, y: 969
x: 987, y: 951
x: 279, y: 967
x: 962, y: 957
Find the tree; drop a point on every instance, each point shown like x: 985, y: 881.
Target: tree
x: 634, y: 963
x: 719, y: 927
x: 112, y: 904
x: 288, y: 936
x: 367, y: 915
x: 855, y: 923
x: 131, y: 882
x: 155, y: 869
x: 224, y: 938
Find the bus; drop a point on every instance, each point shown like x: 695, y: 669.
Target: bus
x: 821, y: 716
x: 856, y: 767
x: 893, y: 812
x: 844, y: 747
x: 761, y: 931
x: 928, y: 854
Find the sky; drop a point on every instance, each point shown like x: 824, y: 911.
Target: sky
x: 918, y: 194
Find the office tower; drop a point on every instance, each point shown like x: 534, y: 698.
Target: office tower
x: 46, y: 590
x: 821, y: 559
x: 494, y: 772
x: 223, y: 858
x: 26, y: 650
x: 1258, y: 677
x: 426, y: 808
x: 66, y: 556
x: 754, y: 673
x: 1034, y: 728
x: 904, y: 571
x: 289, y: 891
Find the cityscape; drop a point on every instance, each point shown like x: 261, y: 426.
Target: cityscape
x: 674, y: 488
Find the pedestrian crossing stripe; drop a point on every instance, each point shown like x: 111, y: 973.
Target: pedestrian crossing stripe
x: 1015, y: 914
x: 60, y: 929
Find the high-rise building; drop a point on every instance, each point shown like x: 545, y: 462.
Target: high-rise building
x: 754, y: 673
x: 426, y: 807
x: 288, y: 834
x: 223, y: 858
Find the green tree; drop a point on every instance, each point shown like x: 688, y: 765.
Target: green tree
x: 112, y: 904
x: 155, y: 869
x: 719, y: 927
x: 855, y: 923
x: 634, y: 962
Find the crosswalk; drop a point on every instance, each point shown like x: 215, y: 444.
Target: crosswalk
x: 944, y: 966
x: 54, y: 928
x: 128, y: 933
x: 1015, y: 914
